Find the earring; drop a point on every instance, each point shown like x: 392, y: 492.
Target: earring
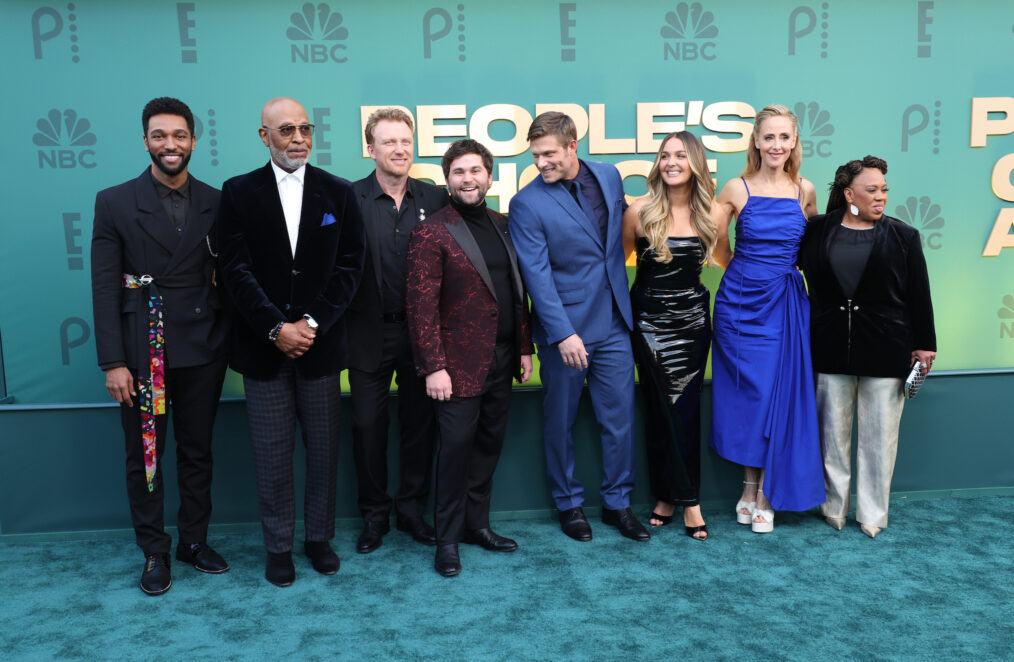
x: 854, y: 210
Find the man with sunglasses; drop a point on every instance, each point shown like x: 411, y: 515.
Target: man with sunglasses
x: 292, y: 250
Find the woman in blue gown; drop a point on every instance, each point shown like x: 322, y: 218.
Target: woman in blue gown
x: 764, y: 413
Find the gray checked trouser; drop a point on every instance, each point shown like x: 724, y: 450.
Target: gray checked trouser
x: 879, y: 401
x: 273, y: 406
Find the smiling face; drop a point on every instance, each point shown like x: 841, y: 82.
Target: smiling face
x: 392, y: 148
x: 555, y: 160
x: 775, y: 141
x: 674, y: 164
x: 868, y: 192
x: 290, y: 153
x: 169, y: 143
x: 468, y: 180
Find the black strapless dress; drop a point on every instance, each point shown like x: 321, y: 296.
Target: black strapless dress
x: 672, y: 337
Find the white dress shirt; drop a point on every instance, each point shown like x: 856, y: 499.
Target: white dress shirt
x: 290, y: 190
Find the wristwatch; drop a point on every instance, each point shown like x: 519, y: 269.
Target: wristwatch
x: 310, y: 322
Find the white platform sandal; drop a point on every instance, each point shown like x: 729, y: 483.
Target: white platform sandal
x: 767, y: 523
x: 741, y: 517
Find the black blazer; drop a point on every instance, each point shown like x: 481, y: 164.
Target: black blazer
x: 133, y: 235
x: 890, y: 314
x: 364, y: 319
x: 267, y: 285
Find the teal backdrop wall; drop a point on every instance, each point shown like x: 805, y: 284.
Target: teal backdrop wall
x: 924, y: 84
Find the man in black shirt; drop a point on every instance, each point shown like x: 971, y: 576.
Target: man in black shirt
x: 392, y: 203
x: 161, y: 335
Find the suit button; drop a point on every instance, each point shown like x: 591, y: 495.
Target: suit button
x: 288, y: 307
x: 295, y: 272
x: 197, y: 310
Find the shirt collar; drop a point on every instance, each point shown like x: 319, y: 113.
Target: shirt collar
x: 164, y: 191
x: 280, y: 174
x: 377, y: 192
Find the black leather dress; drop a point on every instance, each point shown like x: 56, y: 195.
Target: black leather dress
x: 672, y: 337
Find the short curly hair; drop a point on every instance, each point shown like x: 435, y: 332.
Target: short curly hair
x: 166, y: 106
x: 459, y: 148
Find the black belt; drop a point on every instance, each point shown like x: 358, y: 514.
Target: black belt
x: 394, y: 318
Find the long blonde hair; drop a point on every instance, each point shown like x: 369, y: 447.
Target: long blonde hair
x: 655, y: 212
x: 753, y: 158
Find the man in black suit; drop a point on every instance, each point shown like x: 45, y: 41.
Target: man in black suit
x: 161, y: 335
x: 392, y: 203
x: 291, y: 258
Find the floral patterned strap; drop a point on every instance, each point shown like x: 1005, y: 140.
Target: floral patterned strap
x: 151, y: 387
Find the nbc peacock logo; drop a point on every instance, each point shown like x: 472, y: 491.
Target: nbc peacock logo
x: 924, y: 215
x: 687, y: 33
x: 317, y: 34
x: 62, y: 137
x: 1006, y: 315
x: 815, y: 129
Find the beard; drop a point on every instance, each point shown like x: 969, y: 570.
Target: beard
x: 284, y: 160
x: 172, y: 172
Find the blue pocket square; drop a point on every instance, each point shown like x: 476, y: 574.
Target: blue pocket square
x: 329, y: 219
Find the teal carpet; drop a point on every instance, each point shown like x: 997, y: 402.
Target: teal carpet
x: 938, y: 584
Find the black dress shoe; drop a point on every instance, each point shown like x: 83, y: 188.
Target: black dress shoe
x: 156, y: 578
x: 372, y: 536
x: 624, y: 520
x: 486, y: 539
x: 279, y: 570
x: 447, y: 562
x: 202, y: 557
x: 322, y: 557
x: 420, y: 531
x: 575, y: 524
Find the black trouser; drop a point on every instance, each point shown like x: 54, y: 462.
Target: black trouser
x: 370, y: 421
x: 192, y: 399
x: 468, y: 449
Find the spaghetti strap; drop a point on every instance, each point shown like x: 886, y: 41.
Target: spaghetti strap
x: 747, y: 187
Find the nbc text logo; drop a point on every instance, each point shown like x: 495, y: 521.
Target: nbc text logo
x: 437, y: 24
x: 48, y: 23
x: 689, y: 22
x: 69, y: 133
x: 317, y: 24
x: 814, y: 128
x: 1006, y: 312
x: 923, y: 215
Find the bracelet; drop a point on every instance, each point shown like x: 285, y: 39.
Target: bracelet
x: 273, y: 334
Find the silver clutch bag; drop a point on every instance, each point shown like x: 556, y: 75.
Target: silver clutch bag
x: 914, y: 381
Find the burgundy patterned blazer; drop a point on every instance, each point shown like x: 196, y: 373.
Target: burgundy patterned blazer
x: 451, y: 306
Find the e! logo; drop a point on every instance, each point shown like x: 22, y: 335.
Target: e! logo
x: 321, y: 144
x: 432, y: 33
x: 567, y: 51
x: 188, y: 50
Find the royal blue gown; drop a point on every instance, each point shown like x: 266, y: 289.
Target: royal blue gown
x: 764, y: 412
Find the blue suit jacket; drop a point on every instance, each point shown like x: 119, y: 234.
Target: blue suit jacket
x: 572, y: 278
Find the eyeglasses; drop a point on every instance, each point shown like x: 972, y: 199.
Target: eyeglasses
x: 289, y: 130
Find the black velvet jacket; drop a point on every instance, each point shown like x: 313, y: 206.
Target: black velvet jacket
x: 890, y: 314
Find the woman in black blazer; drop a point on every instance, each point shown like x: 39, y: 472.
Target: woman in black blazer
x: 871, y: 319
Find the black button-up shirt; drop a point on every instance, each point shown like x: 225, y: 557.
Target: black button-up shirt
x: 176, y: 202
x: 394, y: 227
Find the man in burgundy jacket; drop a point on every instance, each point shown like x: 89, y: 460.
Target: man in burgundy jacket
x: 468, y: 324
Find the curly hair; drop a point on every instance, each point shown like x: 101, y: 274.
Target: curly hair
x: 459, y: 148
x: 753, y: 158
x: 844, y: 175
x: 166, y: 106
x: 655, y: 212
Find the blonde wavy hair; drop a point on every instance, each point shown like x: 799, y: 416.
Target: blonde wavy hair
x: 753, y: 157
x: 655, y: 212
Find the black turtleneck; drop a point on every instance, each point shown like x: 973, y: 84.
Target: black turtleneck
x: 494, y: 254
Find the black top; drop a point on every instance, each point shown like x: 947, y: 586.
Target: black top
x: 175, y: 201
x: 849, y: 252
x: 592, y: 193
x: 494, y: 253
x: 394, y: 227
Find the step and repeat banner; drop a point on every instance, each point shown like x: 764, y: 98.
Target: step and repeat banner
x: 924, y: 84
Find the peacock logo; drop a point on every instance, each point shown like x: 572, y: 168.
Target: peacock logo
x: 685, y: 33
x: 814, y: 129
x: 1006, y: 312
x: 317, y: 24
x: 923, y: 214
x: 61, y: 135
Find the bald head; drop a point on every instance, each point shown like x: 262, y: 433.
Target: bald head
x: 279, y: 116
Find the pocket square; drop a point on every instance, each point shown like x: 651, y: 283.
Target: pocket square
x: 329, y: 219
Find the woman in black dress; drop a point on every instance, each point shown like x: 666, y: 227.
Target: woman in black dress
x: 674, y: 233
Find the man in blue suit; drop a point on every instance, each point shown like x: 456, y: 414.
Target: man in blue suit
x: 566, y: 226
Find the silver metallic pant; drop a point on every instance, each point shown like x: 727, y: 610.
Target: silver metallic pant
x: 880, y: 401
